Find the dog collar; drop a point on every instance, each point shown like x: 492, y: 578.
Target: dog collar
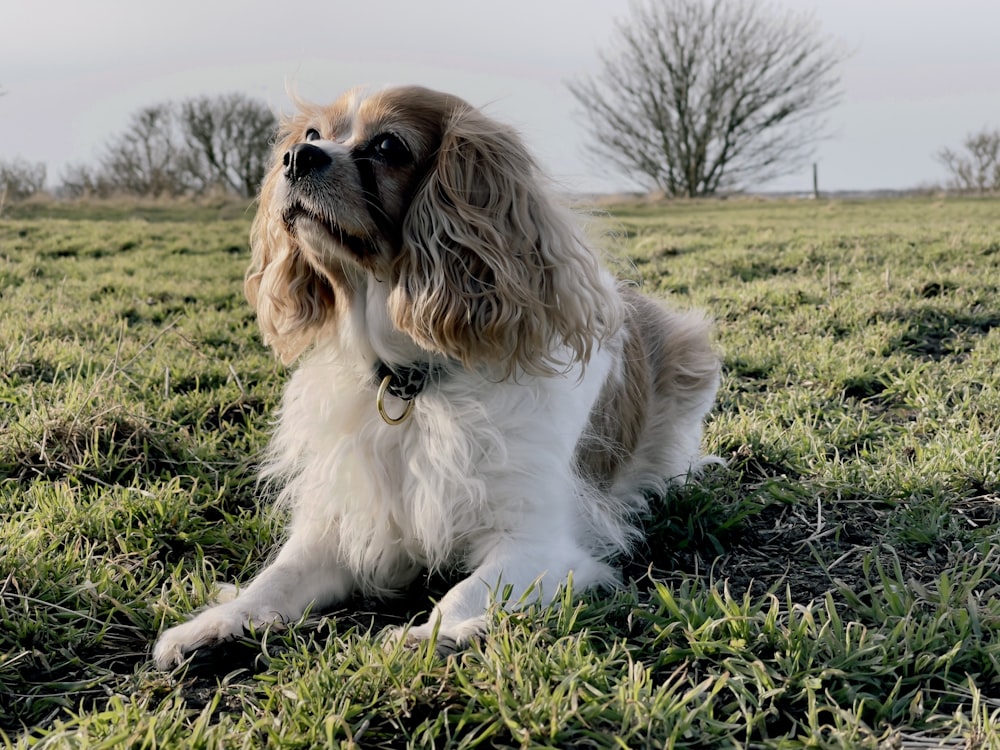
x: 405, y: 382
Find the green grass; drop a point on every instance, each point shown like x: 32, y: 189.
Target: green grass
x: 835, y: 585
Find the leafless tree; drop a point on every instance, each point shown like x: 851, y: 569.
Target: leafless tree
x: 702, y: 95
x: 182, y: 149
x: 21, y: 179
x: 84, y: 181
x: 227, y: 141
x: 147, y: 158
x: 977, y: 168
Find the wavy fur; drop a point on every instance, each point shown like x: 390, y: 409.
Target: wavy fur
x: 406, y: 227
x: 491, y: 268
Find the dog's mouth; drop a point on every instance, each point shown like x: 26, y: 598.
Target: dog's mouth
x: 358, y: 246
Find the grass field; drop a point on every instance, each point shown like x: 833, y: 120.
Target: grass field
x: 837, y: 584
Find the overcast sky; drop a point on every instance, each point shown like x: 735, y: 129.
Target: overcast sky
x: 922, y: 75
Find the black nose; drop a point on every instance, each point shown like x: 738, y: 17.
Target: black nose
x: 303, y: 159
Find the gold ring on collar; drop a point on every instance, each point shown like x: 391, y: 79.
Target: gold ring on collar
x: 380, y: 404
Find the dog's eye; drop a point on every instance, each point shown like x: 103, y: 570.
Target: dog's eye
x: 312, y: 134
x: 390, y: 148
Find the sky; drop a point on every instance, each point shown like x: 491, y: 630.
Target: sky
x: 921, y: 74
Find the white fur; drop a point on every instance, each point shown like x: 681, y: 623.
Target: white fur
x: 480, y: 476
x: 484, y: 477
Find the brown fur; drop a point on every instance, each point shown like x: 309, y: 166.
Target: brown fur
x: 493, y: 270
x: 411, y: 229
x: 666, y: 361
x: 486, y: 267
x: 295, y: 293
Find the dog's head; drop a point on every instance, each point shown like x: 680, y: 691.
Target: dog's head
x: 418, y: 190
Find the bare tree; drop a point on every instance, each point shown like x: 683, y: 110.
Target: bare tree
x: 181, y: 149
x: 703, y: 95
x: 227, y: 141
x: 147, y: 158
x: 84, y: 181
x: 21, y: 179
x: 977, y: 169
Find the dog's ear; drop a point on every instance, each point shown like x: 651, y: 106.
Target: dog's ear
x: 490, y: 269
x: 293, y: 300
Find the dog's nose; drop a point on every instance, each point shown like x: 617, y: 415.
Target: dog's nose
x: 303, y: 159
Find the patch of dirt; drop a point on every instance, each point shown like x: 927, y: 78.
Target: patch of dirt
x: 112, y: 448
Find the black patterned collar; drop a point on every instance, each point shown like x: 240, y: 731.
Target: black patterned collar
x: 407, y: 381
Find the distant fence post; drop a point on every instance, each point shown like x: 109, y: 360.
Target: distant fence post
x: 815, y: 181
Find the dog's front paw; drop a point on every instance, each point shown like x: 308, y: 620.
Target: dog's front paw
x: 211, y: 627
x: 448, y: 638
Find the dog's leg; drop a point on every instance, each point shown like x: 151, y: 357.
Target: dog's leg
x: 304, y: 573
x: 532, y: 541
x: 522, y: 570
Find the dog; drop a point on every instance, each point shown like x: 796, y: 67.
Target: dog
x: 475, y: 391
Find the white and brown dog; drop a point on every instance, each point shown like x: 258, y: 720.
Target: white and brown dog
x: 474, y: 390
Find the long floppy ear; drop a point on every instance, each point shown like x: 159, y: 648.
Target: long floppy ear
x: 293, y: 300
x: 491, y: 270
